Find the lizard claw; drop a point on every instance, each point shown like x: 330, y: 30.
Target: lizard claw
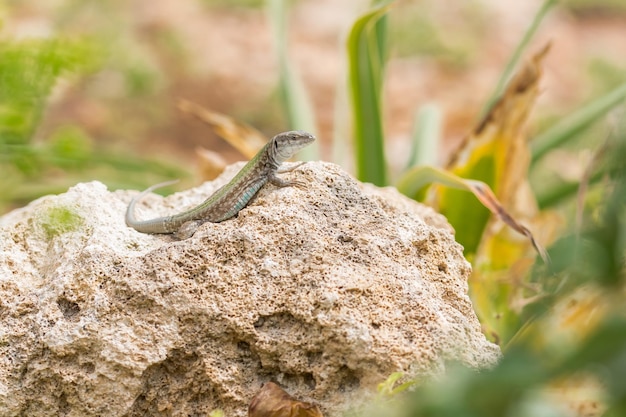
x: 298, y: 184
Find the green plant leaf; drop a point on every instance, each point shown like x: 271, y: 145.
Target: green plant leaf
x: 426, y: 136
x: 414, y: 181
x: 295, y: 98
x: 569, y: 126
x: 366, y: 63
x: 517, y: 54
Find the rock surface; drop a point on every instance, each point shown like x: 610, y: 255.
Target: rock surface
x: 325, y: 290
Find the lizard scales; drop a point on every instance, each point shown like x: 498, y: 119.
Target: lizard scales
x: 227, y: 201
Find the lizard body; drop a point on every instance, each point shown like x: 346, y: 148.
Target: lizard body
x: 227, y: 201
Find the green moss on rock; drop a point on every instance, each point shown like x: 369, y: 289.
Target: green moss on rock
x: 59, y: 220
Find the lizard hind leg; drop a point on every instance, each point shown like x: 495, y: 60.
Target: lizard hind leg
x: 187, y: 229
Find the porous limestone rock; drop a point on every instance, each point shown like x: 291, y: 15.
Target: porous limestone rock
x: 326, y: 289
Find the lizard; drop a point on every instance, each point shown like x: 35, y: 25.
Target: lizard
x: 228, y: 200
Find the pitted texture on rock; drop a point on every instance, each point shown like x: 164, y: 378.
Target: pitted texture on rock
x: 325, y: 290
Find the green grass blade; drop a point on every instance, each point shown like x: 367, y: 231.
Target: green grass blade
x: 576, y: 122
x: 417, y: 178
x: 426, y: 136
x: 297, y: 103
x: 564, y: 191
x: 366, y: 62
x: 340, y: 152
x: 413, y: 182
x: 517, y: 54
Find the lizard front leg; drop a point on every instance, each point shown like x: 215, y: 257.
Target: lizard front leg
x: 279, y: 182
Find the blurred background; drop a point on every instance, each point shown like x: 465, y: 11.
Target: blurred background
x: 100, y: 80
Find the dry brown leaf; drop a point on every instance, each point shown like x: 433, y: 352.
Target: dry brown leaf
x: 497, y: 155
x: 506, y: 123
x: 210, y: 164
x: 489, y: 200
x: 509, y: 117
x: 273, y: 401
x: 239, y: 135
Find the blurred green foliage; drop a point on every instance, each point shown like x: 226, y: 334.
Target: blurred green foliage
x: 296, y: 101
x: 30, y: 70
x: 606, y: 76
x: 470, y: 216
x: 413, y: 32
x: 538, y: 363
x: 535, y: 360
x: 606, y: 7
x: 234, y: 3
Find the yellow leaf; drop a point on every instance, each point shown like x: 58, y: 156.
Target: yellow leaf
x: 210, y: 164
x: 243, y: 137
x: 496, y: 153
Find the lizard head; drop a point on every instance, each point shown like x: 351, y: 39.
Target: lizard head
x: 287, y: 144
